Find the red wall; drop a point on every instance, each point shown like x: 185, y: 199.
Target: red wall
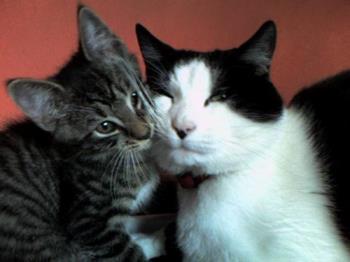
x: 38, y: 36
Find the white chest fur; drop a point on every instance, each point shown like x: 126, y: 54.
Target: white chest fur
x: 145, y: 194
x: 266, y: 200
x: 270, y: 211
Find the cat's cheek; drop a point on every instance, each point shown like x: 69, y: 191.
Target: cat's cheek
x: 163, y: 104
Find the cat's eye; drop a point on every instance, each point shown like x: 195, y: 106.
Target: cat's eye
x: 106, y: 128
x: 216, y: 98
x: 135, y: 100
x: 219, y: 97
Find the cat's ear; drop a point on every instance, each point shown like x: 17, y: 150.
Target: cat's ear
x: 38, y: 99
x: 152, y: 49
x: 97, y: 41
x: 258, y: 50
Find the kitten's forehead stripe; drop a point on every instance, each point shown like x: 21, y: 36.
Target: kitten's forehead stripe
x: 119, y: 90
x: 119, y: 93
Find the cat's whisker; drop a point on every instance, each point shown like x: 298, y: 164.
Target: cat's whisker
x: 132, y: 166
x: 120, y: 169
x: 284, y: 164
x: 160, y: 135
x: 143, y: 93
x: 158, y: 68
x: 116, y: 162
x: 137, y: 168
x: 137, y: 83
x: 128, y: 168
x: 143, y: 168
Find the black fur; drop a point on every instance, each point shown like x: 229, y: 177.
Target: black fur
x: 326, y: 105
x: 240, y: 74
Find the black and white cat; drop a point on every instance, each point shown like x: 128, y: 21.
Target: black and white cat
x: 257, y: 179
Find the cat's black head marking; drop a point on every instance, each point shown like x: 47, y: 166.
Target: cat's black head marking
x: 242, y: 75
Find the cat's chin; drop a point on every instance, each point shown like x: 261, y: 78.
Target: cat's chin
x: 183, y: 156
x: 176, y: 161
x: 185, y: 152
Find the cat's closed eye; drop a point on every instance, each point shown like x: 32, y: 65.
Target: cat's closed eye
x: 216, y: 98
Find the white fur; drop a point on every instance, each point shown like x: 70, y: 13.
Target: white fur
x: 261, y: 203
x: 152, y: 245
x: 145, y: 194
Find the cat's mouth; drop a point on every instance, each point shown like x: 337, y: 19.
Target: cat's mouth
x: 189, y: 181
x: 189, y: 149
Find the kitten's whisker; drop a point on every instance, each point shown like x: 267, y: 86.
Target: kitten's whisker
x: 137, y: 82
x: 136, y: 167
x: 116, y: 168
x: 133, y: 78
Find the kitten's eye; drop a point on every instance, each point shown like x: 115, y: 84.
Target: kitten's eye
x: 135, y: 100
x: 106, y: 127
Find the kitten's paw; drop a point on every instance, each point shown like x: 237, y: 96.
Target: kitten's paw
x: 153, y: 245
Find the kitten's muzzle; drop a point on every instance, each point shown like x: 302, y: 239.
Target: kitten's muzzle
x: 140, y: 131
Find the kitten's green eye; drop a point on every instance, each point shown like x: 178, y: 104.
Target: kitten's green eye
x: 135, y: 100
x: 106, y: 127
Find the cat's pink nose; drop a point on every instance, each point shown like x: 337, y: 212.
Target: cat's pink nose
x: 183, y: 129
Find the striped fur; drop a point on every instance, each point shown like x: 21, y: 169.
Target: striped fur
x: 65, y: 191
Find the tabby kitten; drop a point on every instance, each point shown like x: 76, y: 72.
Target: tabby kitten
x: 73, y: 173
x: 259, y: 181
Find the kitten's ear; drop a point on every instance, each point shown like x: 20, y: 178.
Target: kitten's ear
x: 152, y: 49
x: 98, y: 42
x: 38, y: 99
x: 258, y: 50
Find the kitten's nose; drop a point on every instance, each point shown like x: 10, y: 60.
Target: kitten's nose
x: 184, y: 129
x: 140, y: 131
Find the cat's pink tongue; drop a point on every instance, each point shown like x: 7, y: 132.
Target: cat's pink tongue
x: 188, y: 181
